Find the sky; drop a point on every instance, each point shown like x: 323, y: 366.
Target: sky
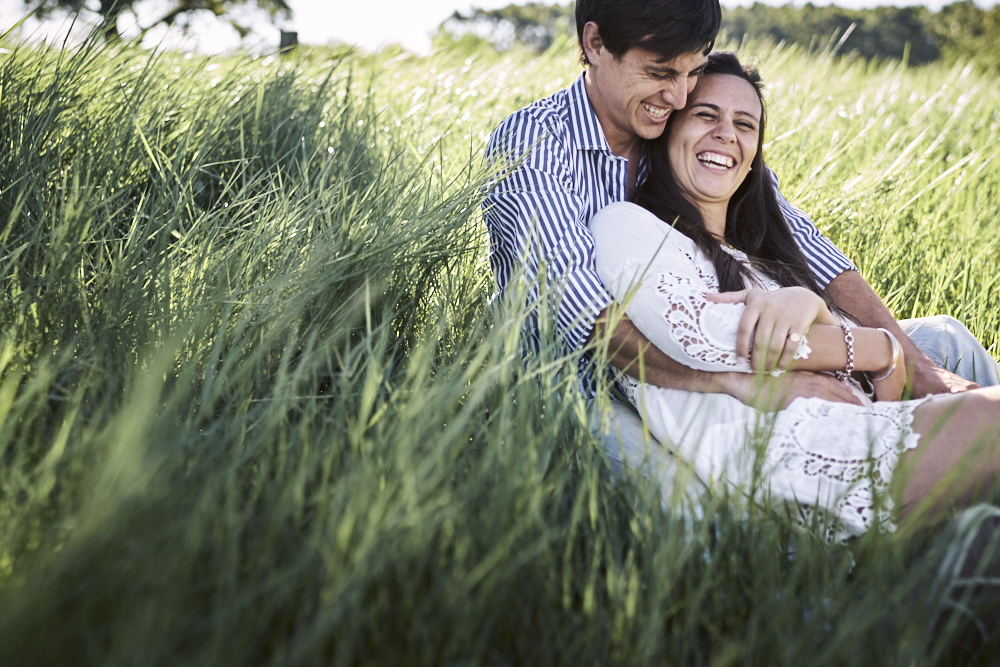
x: 370, y: 24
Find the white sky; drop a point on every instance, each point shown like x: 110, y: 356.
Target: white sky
x: 367, y: 23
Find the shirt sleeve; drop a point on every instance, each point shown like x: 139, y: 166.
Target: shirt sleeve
x: 662, y: 279
x: 538, y: 232
x: 824, y: 258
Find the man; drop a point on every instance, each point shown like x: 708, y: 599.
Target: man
x: 583, y: 148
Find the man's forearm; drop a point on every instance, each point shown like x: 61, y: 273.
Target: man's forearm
x: 857, y: 299
x: 854, y: 296
x: 630, y: 351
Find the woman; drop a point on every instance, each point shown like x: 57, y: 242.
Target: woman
x: 726, y: 233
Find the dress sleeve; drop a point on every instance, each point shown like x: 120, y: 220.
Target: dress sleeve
x: 538, y: 234
x: 824, y: 258
x: 662, y: 278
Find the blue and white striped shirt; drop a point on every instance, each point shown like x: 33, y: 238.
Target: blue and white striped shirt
x: 537, y: 215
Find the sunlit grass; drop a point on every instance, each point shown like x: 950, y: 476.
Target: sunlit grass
x: 255, y: 409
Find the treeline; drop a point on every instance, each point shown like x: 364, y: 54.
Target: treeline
x: 961, y: 30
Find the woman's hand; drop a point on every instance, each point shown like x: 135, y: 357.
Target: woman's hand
x: 769, y: 318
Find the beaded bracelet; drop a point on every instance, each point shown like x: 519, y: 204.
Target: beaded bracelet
x: 849, y: 368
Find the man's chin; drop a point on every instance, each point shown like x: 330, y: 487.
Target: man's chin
x: 650, y: 131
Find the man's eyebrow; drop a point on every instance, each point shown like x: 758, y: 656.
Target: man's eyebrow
x: 715, y: 107
x: 662, y: 69
x: 666, y: 70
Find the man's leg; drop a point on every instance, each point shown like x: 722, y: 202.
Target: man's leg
x: 618, y: 426
x: 952, y: 346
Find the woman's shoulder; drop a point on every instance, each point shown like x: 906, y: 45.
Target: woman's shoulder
x: 618, y: 213
x: 625, y: 217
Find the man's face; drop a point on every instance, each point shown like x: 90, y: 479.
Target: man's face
x: 634, y: 96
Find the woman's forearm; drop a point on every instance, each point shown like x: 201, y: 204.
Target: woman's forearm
x: 630, y: 351
x: 854, y: 296
x: 872, y: 350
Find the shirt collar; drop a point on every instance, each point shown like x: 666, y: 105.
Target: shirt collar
x: 585, y: 128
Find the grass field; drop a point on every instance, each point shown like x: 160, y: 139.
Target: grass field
x: 254, y: 408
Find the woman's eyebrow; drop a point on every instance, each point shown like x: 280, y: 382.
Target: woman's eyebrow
x: 715, y: 107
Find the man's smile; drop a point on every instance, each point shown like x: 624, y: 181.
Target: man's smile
x: 656, y: 112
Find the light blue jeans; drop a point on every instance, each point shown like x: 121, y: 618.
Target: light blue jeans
x: 953, y: 347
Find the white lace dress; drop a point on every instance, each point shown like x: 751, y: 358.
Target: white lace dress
x: 815, y: 453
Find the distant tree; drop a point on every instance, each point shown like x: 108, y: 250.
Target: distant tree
x: 959, y: 30
x: 964, y: 30
x: 534, y: 24
x: 111, y: 10
x: 881, y: 32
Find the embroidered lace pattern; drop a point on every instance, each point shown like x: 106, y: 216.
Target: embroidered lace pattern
x: 846, y: 452
x: 686, y: 312
x: 833, y: 458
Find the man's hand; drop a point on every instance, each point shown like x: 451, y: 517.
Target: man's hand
x: 774, y: 315
x: 929, y: 378
x: 768, y: 394
x: 853, y: 295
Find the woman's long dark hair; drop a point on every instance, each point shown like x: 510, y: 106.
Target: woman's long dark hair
x: 754, y: 223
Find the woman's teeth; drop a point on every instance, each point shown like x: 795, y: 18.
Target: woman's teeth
x: 716, y: 161
x: 656, y: 112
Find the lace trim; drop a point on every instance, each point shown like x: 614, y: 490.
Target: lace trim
x: 802, y: 446
x: 704, y: 267
x: 850, y: 493
x: 686, y: 312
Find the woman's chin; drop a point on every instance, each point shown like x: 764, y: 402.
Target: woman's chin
x: 713, y: 193
x: 716, y: 185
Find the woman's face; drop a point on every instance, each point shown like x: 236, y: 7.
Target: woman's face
x: 713, y: 139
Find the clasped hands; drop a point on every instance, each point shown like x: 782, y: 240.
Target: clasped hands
x: 769, y: 332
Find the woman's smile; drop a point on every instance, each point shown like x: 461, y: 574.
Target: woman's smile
x: 716, y: 161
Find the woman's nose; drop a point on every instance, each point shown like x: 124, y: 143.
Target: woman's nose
x: 724, y: 132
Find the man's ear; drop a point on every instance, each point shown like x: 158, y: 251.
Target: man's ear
x: 593, y: 45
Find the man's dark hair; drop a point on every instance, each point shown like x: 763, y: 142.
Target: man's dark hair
x: 668, y: 28
x: 754, y: 222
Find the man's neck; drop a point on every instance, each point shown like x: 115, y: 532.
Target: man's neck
x: 629, y: 147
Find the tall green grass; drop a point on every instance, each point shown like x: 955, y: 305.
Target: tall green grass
x: 255, y: 409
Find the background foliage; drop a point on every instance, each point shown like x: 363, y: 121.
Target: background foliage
x: 255, y: 409
x: 110, y: 11
x: 959, y: 31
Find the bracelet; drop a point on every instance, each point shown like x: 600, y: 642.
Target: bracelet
x: 895, y: 355
x: 849, y: 367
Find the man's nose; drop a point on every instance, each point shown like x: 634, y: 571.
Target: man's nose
x: 676, y: 95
